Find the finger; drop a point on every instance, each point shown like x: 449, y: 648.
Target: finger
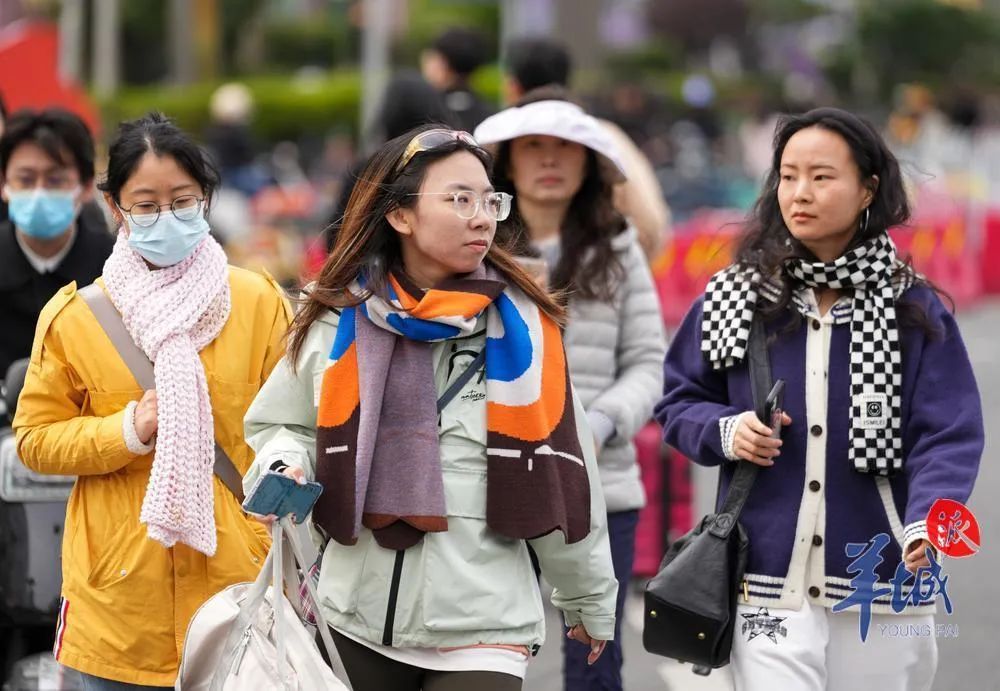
x: 747, y: 456
x: 759, y: 451
x: 786, y: 419
x: 754, y: 439
x: 757, y: 426
x: 296, y: 474
x: 596, y: 648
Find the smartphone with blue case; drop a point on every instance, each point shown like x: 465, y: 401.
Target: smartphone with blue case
x: 277, y: 494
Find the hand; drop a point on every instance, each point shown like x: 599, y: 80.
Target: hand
x: 579, y: 633
x: 144, y: 419
x: 917, y: 556
x: 296, y: 474
x: 753, y: 441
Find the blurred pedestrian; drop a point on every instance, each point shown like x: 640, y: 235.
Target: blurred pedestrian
x: 532, y: 63
x: 445, y: 431
x: 882, y: 417
x: 151, y: 530
x: 560, y: 165
x: 230, y: 139
x: 448, y: 64
x: 55, y: 234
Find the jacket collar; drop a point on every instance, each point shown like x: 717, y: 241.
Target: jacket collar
x: 84, y: 260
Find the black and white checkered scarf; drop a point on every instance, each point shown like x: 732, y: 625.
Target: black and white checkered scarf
x: 871, y: 271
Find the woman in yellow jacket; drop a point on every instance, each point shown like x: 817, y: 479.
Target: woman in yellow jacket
x: 151, y: 530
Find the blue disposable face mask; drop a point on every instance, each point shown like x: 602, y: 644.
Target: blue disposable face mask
x: 169, y: 240
x: 41, y: 213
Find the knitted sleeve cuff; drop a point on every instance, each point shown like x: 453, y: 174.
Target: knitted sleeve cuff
x: 915, y: 532
x: 132, y: 442
x: 727, y: 430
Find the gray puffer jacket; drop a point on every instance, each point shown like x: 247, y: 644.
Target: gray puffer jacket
x: 616, y: 352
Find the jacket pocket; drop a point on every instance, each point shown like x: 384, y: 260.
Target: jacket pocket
x: 475, y: 579
x: 242, y: 546
x: 118, y: 556
x: 230, y: 401
x: 342, y: 573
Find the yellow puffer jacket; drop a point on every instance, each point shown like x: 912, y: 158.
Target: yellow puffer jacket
x: 127, y: 600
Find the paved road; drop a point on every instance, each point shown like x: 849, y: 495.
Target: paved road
x: 968, y: 662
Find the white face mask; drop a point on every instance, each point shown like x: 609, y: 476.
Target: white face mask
x: 169, y: 240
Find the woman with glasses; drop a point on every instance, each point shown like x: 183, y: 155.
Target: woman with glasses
x: 427, y: 390
x: 561, y: 166
x: 154, y: 526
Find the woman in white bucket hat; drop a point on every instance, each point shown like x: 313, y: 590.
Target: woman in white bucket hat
x: 561, y: 166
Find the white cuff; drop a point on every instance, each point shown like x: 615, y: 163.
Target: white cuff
x: 727, y: 431
x: 132, y: 442
x: 915, y: 532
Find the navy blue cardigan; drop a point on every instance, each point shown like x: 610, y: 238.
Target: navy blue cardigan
x: 942, y: 428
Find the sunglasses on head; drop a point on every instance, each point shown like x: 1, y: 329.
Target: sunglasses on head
x: 431, y: 139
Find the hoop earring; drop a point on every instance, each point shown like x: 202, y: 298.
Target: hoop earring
x: 864, y: 224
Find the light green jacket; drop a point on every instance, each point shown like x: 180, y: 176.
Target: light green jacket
x: 465, y: 586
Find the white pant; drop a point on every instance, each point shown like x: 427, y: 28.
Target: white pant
x: 815, y: 649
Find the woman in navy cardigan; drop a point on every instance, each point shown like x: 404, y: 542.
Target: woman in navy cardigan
x: 883, y: 417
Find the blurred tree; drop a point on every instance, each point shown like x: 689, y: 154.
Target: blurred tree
x: 429, y: 18
x: 144, y: 41
x: 930, y: 41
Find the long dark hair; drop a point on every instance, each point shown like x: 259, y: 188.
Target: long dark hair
x: 588, y: 263
x: 367, y: 244
x: 766, y: 243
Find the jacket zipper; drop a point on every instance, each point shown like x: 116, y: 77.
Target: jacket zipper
x: 390, y: 613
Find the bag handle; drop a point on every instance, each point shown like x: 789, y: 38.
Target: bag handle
x: 142, y: 369
x: 759, y: 366
x: 321, y: 623
x: 276, y: 576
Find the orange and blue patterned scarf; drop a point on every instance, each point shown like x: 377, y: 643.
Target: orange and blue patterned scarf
x: 377, y: 429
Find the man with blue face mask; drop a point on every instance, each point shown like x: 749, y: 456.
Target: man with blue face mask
x: 52, y: 233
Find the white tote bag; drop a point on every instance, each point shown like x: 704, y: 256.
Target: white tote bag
x: 239, y: 640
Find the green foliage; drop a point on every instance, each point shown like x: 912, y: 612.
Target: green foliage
x: 656, y: 57
x: 927, y: 41
x: 290, y: 44
x: 429, y: 18
x: 285, y: 108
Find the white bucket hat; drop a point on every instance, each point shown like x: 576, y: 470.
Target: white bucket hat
x: 557, y: 119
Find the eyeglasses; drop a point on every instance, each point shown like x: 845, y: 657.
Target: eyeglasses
x: 467, y: 204
x: 431, y: 139
x: 145, y: 214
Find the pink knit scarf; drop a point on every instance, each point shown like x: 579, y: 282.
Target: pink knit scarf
x: 171, y: 314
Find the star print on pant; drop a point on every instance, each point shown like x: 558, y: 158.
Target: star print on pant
x: 762, y: 623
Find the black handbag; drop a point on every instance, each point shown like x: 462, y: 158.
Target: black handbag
x: 690, y: 605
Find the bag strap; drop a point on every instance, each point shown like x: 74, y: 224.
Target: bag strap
x: 759, y: 366
x: 462, y: 380
x: 142, y: 369
x: 322, y: 626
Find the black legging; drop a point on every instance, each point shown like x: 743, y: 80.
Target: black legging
x: 371, y: 671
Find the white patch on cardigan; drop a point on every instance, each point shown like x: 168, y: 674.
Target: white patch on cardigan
x: 874, y: 410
